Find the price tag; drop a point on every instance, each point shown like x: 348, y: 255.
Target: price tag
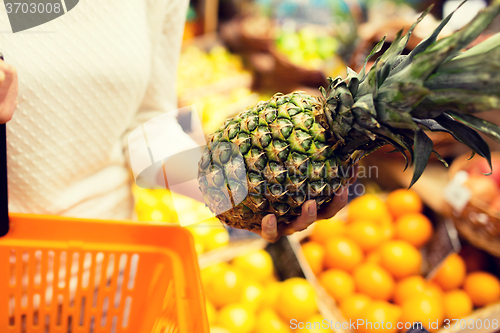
x: 455, y: 193
x: 443, y: 243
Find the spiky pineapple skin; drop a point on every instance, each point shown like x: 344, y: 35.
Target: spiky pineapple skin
x: 275, y: 156
x: 270, y: 159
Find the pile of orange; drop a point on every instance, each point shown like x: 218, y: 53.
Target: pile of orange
x: 371, y: 265
x: 244, y: 296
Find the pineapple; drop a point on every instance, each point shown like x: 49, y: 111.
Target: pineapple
x: 273, y: 157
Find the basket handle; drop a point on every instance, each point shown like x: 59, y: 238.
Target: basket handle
x: 4, y: 199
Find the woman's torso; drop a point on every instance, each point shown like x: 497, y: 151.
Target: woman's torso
x: 82, y: 77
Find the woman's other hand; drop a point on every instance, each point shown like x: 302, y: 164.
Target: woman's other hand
x: 8, y: 91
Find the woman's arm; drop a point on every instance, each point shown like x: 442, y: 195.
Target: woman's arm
x: 158, y: 109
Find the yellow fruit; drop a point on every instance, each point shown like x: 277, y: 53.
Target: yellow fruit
x: 432, y: 289
x: 373, y: 257
x: 408, y: 287
x: 199, y: 233
x: 315, y: 254
x: 211, y: 313
x: 451, y: 273
x: 338, y: 283
x: 342, y: 253
x: 374, y: 281
x: 457, y: 304
x: 423, y: 309
x: 256, y: 265
x: 367, y: 234
x: 324, y: 230
x: 237, y: 318
x: 217, y: 329
x: 401, y: 202
x: 352, y: 306
x: 380, y: 316
x: 367, y: 207
x: 414, y: 228
x: 315, y: 324
x: 225, y: 287
x: 483, y: 288
x: 268, y: 321
x: 296, y: 300
x: 388, y: 231
x: 253, y: 295
x: 208, y: 273
x: 271, y: 294
x: 400, y: 258
x: 217, y: 238
x: 199, y: 247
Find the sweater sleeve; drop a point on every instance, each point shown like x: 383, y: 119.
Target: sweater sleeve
x: 154, y: 133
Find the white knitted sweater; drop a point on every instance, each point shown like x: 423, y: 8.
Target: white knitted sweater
x: 86, y: 80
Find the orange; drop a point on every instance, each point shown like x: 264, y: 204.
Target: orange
x: 401, y: 202
x: 342, y: 253
x: 211, y: 313
x: 225, y: 287
x: 367, y: 207
x: 414, y: 228
x: 380, y: 316
x: 400, y: 258
x: 374, y: 281
x: 457, y: 304
x: 483, y: 288
x: 296, y: 300
x: 388, y: 231
x: 253, y: 295
x: 408, y: 287
x: 432, y: 289
x: 315, y: 255
x: 451, y: 273
x: 337, y: 283
x: 367, y: 234
x: 374, y: 256
x: 324, y: 230
x: 271, y: 294
x: 425, y: 309
x: 208, y: 273
x: 217, y: 238
x: 315, y: 324
x: 268, y: 321
x: 257, y: 265
x: 237, y: 318
x: 218, y: 329
x: 352, y: 306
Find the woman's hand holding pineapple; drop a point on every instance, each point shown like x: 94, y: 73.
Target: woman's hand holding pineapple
x: 271, y: 232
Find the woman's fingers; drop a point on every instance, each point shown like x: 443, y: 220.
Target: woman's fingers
x: 354, y: 174
x: 8, y: 91
x: 270, y: 228
x: 306, y: 218
x: 333, y: 207
x: 271, y: 232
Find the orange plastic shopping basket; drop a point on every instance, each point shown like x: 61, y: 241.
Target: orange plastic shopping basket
x: 60, y: 275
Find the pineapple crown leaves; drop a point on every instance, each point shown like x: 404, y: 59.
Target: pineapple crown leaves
x: 434, y: 87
